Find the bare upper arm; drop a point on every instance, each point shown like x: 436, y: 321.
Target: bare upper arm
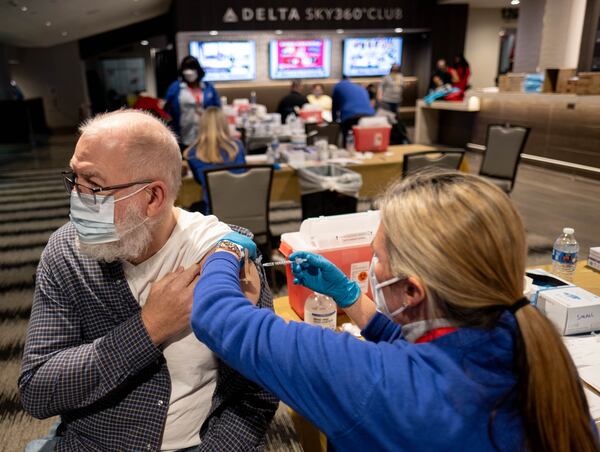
x: 251, y: 284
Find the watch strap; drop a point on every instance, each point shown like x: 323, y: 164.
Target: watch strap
x: 231, y: 246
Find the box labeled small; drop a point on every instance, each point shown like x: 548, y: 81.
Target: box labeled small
x: 572, y: 309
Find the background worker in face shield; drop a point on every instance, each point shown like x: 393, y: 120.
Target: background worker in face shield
x: 186, y: 99
x: 454, y: 357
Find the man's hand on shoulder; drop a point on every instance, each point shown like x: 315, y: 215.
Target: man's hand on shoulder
x: 167, y: 310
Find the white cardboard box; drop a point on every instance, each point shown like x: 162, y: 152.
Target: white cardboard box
x: 594, y: 263
x: 572, y: 309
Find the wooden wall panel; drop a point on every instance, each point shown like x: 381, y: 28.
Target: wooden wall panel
x: 563, y: 127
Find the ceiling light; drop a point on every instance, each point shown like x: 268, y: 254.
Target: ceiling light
x: 515, y: 2
x: 213, y: 32
x: 398, y: 30
x: 64, y: 33
x: 24, y: 8
x: 144, y: 42
x: 48, y: 24
x: 278, y: 32
x: 339, y: 31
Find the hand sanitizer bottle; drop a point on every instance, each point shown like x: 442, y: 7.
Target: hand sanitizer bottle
x: 320, y: 310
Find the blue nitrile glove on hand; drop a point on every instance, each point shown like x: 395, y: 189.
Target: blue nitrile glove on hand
x: 320, y: 275
x: 243, y: 241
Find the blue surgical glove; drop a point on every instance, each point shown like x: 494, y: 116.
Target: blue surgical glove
x: 243, y: 241
x: 320, y: 275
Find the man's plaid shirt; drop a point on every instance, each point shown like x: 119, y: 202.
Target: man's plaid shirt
x: 89, y: 359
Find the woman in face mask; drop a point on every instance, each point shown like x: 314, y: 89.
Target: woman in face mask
x: 454, y: 357
x: 187, y: 98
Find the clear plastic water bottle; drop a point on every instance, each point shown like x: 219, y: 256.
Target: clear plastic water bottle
x: 320, y: 310
x: 350, y: 141
x: 270, y: 155
x: 564, y: 254
x: 274, y: 147
x: 253, y: 97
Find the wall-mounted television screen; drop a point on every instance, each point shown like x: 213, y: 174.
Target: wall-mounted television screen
x: 370, y: 56
x: 299, y: 58
x: 226, y: 60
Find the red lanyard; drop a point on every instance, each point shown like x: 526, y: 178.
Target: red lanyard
x: 434, y: 334
x: 197, y: 93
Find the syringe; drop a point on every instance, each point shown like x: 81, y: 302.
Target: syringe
x: 298, y: 260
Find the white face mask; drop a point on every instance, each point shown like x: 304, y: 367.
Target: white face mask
x: 190, y: 75
x: 95, y: 223
x: 376, y: 290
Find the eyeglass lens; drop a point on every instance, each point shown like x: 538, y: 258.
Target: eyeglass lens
x: 71, y: 183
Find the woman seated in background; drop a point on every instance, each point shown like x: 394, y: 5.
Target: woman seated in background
x: 318, y: 97
x: 460, y: 73
x: 454, y: 358
x: 215, y: 147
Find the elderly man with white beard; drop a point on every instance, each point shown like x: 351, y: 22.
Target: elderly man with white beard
x: 109, y: 347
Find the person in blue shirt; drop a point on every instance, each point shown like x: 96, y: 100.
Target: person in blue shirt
x: 454, y: 357
x: 213, y: 148
x: 350, y: 103
x: 186, y: 99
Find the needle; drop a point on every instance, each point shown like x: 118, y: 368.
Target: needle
x: 298, y: 260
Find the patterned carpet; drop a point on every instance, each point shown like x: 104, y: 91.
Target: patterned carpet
x: 33, y: 204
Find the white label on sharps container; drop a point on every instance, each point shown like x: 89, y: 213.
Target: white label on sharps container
x: 359, y: 272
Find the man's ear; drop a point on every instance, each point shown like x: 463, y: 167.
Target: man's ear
x: 158, y: 198
x: 414, y: 292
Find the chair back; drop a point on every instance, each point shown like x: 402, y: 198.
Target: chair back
x: 330, y: 132
x: 241, y: 198
x: 503, y: 151
x: 415, y: 161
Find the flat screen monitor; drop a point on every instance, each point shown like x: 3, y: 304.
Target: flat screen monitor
x: 299, y: 58
x: 365, y: 57
x: 226, y: 60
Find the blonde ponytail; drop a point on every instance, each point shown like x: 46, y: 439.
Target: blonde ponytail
x: 554, y: 406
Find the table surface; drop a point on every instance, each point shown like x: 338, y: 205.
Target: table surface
x: 377, y: 172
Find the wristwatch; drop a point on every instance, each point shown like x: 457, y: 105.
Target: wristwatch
x: 228, y: 245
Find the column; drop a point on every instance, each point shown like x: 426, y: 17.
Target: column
x: 549, y: 34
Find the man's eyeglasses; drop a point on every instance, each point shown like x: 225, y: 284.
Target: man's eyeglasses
x: 70, y: 180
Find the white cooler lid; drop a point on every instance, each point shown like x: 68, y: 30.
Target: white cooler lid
x: 334, y: 232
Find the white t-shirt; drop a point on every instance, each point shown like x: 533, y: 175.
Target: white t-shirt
x: 192, y: 366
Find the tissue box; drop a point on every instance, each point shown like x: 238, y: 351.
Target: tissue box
x: 572, y: 309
